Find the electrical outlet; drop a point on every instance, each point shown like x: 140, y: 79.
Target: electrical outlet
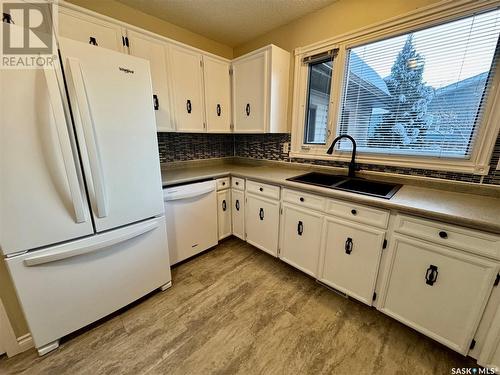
x: 285, y: 148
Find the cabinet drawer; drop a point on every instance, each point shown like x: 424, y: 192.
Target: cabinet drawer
x: 358, y: 213
x: 450, y: 235
x: 237, y: 183
x: 304, y: 200
x: 437, y: 291
x: 264, y: 190
x: 223, y: 183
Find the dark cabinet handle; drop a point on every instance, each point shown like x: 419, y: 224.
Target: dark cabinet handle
x: 219, y: 110
x: 348, y: 246
x: 7, y: 18
x: 443, y: 234
x: 354, y: 212
x: 188, y: 106
x: 247, y: 109
x: 431, y: 275
x: 93, y: 41
x: 300, y: 228
x: 224, y: 207
x: 261, y: 214
x: 237, y: 205
x: 156, y: 102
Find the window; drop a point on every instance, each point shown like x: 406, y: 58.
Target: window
x: 318, y: 97
x: 422, y: 90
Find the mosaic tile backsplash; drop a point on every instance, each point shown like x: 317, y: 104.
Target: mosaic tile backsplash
x: 187, y: 146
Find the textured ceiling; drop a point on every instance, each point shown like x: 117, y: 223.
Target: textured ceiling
x: 231, y: 22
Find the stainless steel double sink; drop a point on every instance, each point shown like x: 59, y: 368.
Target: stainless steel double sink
x: 354, y: 185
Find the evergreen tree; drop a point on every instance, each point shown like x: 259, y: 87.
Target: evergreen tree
x: 405, y: 123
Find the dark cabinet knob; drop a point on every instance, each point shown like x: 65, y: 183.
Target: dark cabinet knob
x: 300, y: 228
x: 261, y: 189
x: 237, y: 183
x: 443, y: 234
x: 348, y: 246
x: 7, y: 18
x: 223, y: 184
x: 354, y: 212
x: 302, y: 199
x: 156, y: 102
x: 93, y: 41
x: 431, y: 275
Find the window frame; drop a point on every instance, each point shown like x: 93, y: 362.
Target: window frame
x: 488, y: 129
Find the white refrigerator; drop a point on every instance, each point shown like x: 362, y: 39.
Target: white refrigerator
x: 82, y: 225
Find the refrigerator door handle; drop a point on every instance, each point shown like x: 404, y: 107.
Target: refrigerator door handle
x: 76, y: 74
x: 64, y: 145
x: 94, y: 244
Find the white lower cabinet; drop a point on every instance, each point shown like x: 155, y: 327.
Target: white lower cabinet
x: 300, y: 238
x: 238, y: 213
x: 224, y: 213
x: 262, y: 223
x: 438, y: 291
x: 350, y: 258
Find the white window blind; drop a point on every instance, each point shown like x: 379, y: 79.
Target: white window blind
x: 422, y: 93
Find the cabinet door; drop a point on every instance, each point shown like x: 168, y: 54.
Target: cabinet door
x: 224, y: 213
x: 262, y: 223
x: 217, y: 95
x: 187, y: 89
x: 301, y: 237
x: 238, y: 213
x: 154, y: 51
x: 438, y: 291
x: 250, y: 92
x: 350, y: 258
x: 88, y: 30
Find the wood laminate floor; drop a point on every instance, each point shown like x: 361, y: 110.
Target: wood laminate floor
x: 237, y: 310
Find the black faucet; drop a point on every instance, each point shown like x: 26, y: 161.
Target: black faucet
x: 352, y: 164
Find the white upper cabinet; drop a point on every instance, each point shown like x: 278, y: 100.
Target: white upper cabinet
x: 154, y: 51
x: 86, y: 29
x: 187, y: 89
x: 260, y: 91
x: 217, y: 94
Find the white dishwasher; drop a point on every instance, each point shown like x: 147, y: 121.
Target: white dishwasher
x: 191, y: 216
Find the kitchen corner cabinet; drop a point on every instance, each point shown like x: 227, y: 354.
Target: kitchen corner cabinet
x: 436, y: 290
x: 260, y: 91
x: 350, y: 258
x: 187, y: 89
x: 238, y: 213
x: 154, y: 51
x: 262, y: 223
x: 217, y: 86
x: 86, y: 29
x: 300, y: 238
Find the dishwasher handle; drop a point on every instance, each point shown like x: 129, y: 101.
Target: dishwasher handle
x: 186, y: 193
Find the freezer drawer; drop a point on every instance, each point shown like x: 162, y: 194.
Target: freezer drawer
x: 66, y: 287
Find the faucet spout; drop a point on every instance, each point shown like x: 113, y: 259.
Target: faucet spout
x: 352, y: 164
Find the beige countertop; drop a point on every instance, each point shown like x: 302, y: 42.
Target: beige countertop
x: 471, y: 210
